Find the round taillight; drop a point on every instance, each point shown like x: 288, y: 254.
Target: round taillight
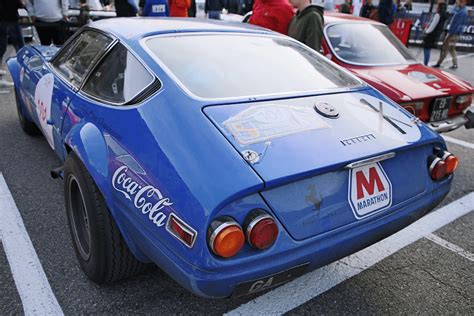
x: 226, y: 237
x: 437, y: 169
x: 261, y: 230
x: 451, y: 164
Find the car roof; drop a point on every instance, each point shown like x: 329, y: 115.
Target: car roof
x: 336, y: 17
x: 139, y: 27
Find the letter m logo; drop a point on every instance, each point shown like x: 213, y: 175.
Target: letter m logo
x: 370, y: 190
x: 368, y: 185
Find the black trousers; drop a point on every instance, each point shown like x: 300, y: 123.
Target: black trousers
x: 51, y: 32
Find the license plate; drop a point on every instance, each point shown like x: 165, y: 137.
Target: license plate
x: 270, y: 281
x: 440, y: 109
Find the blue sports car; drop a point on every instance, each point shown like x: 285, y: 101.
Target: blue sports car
x: 234, y: 158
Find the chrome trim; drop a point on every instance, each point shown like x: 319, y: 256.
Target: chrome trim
x: 448, y: 124
x: 368, y: 161
x: 334, y: 53
x: 184, y: 226
x: 361, y: 84
x: 434, y: 163
x: 254, y: 222
x: 220, y: 228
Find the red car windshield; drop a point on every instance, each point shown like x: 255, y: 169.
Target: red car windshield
x: 366, y: 45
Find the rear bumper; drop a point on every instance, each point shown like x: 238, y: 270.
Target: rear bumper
x: 287, y: 254
x: 449, y: 124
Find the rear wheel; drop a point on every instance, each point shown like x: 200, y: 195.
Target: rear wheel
x: 26, y: 125
x: 100, y: 248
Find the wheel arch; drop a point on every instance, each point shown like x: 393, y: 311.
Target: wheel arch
x: 87, y: 142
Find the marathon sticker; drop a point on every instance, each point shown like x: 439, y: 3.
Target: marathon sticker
x: 263, y: 122
x: 370, y: 190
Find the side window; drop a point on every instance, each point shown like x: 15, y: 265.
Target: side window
x: 79, y: 56
x: 119, y: 78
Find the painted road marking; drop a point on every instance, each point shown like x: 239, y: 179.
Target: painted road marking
x: 30, y: 280
x: 458, y: 142
x: 309, y: 286
x: 450, y: 246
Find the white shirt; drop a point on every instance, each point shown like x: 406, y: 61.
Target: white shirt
x: 48, y: 10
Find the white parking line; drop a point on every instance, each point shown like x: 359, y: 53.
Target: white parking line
x: 458, y: 142
x: 450, y: 246
x: 307, y: 287
x: 33, y: 286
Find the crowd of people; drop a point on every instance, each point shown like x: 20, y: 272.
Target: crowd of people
x: 300, y: 19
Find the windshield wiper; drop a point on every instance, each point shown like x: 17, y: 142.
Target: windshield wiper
x: 388, y: 119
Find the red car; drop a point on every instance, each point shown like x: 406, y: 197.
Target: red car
x: 371, y: 51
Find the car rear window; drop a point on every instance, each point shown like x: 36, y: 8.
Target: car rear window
x: 227, y: 66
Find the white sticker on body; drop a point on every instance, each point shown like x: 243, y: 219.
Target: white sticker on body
x: 43, y: 98
x: 370, y: 190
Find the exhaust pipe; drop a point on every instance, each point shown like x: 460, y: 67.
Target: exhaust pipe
x: 57, y: 173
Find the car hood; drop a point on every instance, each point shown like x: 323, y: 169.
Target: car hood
x: 413, y: 82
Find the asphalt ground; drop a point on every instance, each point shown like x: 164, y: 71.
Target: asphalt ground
x: 422, y: 277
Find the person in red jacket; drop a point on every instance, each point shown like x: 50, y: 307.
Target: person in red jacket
x: 179, y: 8
x: 272, y: 14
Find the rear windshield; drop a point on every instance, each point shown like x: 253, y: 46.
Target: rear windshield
x: 226, y: 66
x: 367, y: 44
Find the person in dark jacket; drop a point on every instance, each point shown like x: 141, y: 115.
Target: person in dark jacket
x: 246, y: 6
x: 9, y: 28
x: 345, y: 7
x: 307, y: 24
x: 433, y: 31
x: 366, y: 9
x: 386, y: 12
x: 125, y: 8
x: 233, y: 6
x: 214, y: 8
x: 275, y: 15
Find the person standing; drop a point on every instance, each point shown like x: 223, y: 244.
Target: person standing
x: 307, y: 24
x: 126, y: 8
x: 179, y: 8
x: 275, y: 15
x: 367, y: 9
x: 456, y: 28
x: 433, y: 31
x: 345, y: 7
x: 9, y: 29
x: 386, y: 11
x: 192, y: 9
x: 50, y: 17
x: 156, y: 8
x: 213, y: 8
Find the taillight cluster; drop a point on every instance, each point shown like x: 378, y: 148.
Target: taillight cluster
x: 226, y: 237
x: 463, y: 101
x: 414, y: 108
x: 441, y: 164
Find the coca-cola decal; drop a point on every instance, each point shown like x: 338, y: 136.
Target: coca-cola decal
x: 145, y: 198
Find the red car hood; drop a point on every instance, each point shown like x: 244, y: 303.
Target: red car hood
x: 412, y: 82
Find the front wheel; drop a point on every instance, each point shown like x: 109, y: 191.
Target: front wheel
x: 100, y: 248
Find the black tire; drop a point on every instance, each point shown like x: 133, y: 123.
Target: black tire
x: 27, y: 126
x: 100, y: 248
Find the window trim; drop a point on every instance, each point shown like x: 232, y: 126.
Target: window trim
x: 154, y: 82
x: 54, y: 69
x: 180, y: 84
x: 336, y: 55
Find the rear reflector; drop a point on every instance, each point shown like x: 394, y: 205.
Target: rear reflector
x: 225, y: 237
x: 261, y: 229
x: 182, y: 231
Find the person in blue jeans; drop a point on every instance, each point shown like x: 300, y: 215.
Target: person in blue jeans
x: 9, y: 28
x: 214, y: 8
x: 456, y: 28
x: 156, y: 8
x: 433, y: 31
